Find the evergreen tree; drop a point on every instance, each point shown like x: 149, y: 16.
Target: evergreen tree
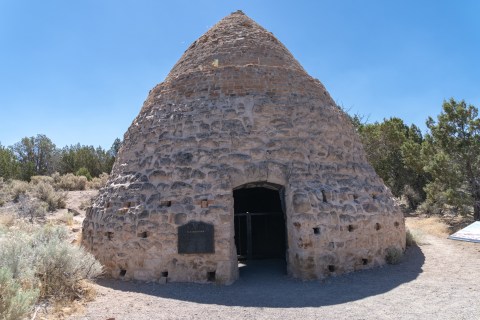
x: 393, y: 149
x: 452, y: 156
x: 8, y: 163
x: 36, y: 156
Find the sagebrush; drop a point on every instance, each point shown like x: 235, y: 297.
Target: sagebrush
x: 37, y: 262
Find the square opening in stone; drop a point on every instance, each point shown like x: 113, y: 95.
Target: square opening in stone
x: 211, y: 276
x: 166, y: 203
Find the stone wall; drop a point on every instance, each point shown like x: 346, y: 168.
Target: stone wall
x: 238, y: 108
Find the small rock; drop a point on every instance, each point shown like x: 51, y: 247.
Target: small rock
x: 75, y: 212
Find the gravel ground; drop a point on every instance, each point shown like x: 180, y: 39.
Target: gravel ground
x: 438, y: 280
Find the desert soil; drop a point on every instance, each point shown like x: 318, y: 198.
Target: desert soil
x: 440, y: 279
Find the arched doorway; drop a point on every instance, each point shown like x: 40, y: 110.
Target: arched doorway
x: 259, y: 219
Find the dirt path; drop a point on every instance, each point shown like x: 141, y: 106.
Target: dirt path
x: 438, y: 280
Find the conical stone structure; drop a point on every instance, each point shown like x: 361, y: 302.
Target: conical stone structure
x: 237, y: 128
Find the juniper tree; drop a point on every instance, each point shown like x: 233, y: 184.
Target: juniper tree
x: 452, y: 153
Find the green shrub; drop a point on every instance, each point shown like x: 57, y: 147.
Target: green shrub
x: 15, y: 302
x: 4, y: 193
x: 84, y: 172
x: 71, y: 182
x: 393, y: 255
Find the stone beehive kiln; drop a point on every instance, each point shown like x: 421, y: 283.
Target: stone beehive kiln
x: 238, y: 128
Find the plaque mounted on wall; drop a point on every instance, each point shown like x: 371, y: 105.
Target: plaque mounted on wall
x: 196, y: 237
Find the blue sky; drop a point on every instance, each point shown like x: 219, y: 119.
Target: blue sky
x: 79, y: 71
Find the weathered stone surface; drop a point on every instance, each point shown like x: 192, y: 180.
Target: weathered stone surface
x: 238, y: 109
x: 301, y: 203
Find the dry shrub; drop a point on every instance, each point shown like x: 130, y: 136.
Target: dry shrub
x: 41, y: 179
x: 7, y: 220
x: 56, y: 178
x: 393, y: 255
x: 98, y: 183
x: 70, y: 182
x: 67, y: 218
x: 411, y: 238
x: 54, y: 199
x: 432, y: 225
x: 17, y: 189
x: 31, y: 208
x: 62, y: 309
x: 85, y: 204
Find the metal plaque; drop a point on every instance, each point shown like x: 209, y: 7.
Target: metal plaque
x: 196, y: 237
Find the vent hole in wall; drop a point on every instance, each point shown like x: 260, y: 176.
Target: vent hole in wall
x: 396, y: 224
x: 109, y: 235
x: 324, y: 196
x: 166, y: 203
x: 143, y: 234
x: 211, y: 276
x: 364, y: 261
x: 377, y: 226
x: 123, y: 272
x: 164, y: 274
x: 316, y: 230
x: 350, y: 228
x: 331, y: 268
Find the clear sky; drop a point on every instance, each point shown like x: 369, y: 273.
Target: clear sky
x: 79, y: 71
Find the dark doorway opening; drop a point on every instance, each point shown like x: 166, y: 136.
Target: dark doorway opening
x: 259, y: 223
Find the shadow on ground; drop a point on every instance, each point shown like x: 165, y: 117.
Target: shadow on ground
x: 266, y: 285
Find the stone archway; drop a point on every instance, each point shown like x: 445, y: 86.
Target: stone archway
x: 259, y: 221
